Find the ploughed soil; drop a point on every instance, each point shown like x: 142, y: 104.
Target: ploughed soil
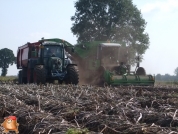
x: 53, y: 109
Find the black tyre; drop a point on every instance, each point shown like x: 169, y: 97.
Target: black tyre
x: 29, y: 76
x: 39, y: 74
x: 60, y: 81
x: 20, y: 77
x: 140, y: 71
x: 100, y: 75
x: 72, y: 75
x: 51, y: 81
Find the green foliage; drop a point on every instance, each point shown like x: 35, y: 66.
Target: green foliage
x: 113, y: 20
x: 176, y: 71
x: 8, y: 78
x: 166, y: 78
x: 77, y: 131
x: 158, y: 77
x: 6, y: 58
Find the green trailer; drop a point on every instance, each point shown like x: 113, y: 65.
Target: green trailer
x: 108, y: 63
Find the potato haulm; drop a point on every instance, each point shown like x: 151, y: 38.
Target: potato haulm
x: 106, y: 110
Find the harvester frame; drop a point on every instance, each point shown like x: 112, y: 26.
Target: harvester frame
x: 90, y: 57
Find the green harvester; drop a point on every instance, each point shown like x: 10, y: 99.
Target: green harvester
x: 108, y: 63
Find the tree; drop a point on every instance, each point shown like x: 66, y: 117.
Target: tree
x: 6, y: 58
x: 113, y: 20
x: 167, y: 77
x: 158, y: 77
x: 176, y: 71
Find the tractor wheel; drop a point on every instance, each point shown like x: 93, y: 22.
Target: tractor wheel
x: 72, y: 75
x: 51, y: 81
x: 39, y: 74
x: 60, y: 81
x: 20, y: 77
x: 24, y: 76
x: 29, y: 76
x: 140, y: 71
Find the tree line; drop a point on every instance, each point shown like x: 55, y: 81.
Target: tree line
x: 168, y: 77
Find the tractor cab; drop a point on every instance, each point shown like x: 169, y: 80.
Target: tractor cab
x: 52, y: 51
x: 54, y: 58
x: 114, y: 57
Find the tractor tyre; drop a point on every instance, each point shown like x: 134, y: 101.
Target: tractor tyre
x: 39, y: 74
x: 29, y: 76
x: 60, y: 82
x: 51, y: 81
x: 24, y: 76
x: 20, y: 77
x: 140, y: 71
x: 72, y: 75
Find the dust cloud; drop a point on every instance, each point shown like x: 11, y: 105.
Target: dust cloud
x: 112, y: 58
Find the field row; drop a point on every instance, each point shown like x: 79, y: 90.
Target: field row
x: 116, y: 110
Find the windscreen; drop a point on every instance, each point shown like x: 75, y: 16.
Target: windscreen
x: 52, y: 50
x: 113, y: 55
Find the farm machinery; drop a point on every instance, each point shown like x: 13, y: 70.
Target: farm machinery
x: 45, y: 61
x: 98, y: 63
x: 107, y: 63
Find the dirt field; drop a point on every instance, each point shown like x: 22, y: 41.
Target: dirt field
x: 53, y: 109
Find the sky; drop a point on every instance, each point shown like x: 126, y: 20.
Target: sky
x: 28, y: 21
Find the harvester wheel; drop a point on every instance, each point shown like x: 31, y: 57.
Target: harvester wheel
x: 39, y: 74
x: 100, y: 74
x: 72, y: 75
x: 140, y: 71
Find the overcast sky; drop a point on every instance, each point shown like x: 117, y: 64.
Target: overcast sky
x: 28, y: 21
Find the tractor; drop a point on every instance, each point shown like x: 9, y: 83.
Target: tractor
x: 46, y: 61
